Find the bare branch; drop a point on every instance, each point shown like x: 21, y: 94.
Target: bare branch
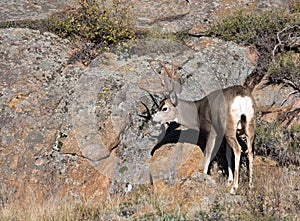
x: 290, y: 115
x: 286, y: 99
x: 280, y: 42
x: 292, y: 84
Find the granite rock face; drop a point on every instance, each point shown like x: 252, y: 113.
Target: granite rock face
x: 275, y: 102
x: 187, y: 15
x: 35, y: 89
x: 23, y: 10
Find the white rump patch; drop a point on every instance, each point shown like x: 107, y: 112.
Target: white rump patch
x: 242, y: 105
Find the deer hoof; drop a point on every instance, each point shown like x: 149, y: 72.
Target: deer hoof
x: 233, y: 190
x: 229, y: 182
x: 251, y: 185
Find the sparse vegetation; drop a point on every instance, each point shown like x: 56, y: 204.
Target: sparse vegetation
x: 98, y: 25
x: 286, y: 69
x: 281, y: 144
x: 260, y: 29
x: 274, y: 197
x: 215, y: 213
x: 41, y: 25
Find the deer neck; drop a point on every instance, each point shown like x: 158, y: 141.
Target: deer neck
x: 188, y: 114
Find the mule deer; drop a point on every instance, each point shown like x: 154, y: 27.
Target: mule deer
x: 228, y: 113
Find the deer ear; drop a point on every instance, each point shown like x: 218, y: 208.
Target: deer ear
x: 178, y: 86
x: 173, y: 98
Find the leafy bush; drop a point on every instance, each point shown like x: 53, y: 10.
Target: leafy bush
x: 286, y: 69
x: 95, y: 22
x: 252, y: 27
x: 98, y: 25
x: 281, y: 144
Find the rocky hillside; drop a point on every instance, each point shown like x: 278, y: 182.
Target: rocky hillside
x: 71, y: 130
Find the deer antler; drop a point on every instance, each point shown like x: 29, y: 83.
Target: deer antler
x: 151, y: 85
x: 148, y: 116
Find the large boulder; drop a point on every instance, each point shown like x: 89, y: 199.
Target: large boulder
x: 277, y: 102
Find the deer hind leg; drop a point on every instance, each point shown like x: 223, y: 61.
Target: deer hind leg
x: 250, y: 138
x: 229, y: 163
x: 232, y: 141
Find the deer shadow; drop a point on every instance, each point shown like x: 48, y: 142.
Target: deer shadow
x: 174, y: 135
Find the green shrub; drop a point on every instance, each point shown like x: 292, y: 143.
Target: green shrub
x: 248, y: 28
x: 286, y: 69
x: 281, y: 144
x: 97, y: 25
x: 95, y: 22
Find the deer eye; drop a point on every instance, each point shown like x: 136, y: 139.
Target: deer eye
x: 164, y: 109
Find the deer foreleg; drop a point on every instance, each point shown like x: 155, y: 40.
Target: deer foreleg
x: 209, y: 149
x: 229, y: 163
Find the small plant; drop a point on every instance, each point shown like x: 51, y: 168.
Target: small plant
x: 215, y: 213
x: 95, y: 26
x: 96, y: 23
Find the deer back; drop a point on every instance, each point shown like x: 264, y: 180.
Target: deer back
x: 216, y: 108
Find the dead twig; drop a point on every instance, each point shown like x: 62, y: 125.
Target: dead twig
x: 286, y: 99
x: 281, y: 42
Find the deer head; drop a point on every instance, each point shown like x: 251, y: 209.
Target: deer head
x: 168, y: 84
